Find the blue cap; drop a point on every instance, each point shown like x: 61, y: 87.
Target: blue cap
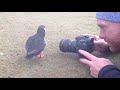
x: 109, y: 16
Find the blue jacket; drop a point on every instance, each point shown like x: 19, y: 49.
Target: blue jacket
x: 109, y: 71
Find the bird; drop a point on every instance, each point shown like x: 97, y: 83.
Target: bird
x: 36, y: 43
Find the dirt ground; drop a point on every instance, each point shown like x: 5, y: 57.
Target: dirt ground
x: 16, y: 27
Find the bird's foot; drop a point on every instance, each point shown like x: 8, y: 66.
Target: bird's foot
x: 40, y: 55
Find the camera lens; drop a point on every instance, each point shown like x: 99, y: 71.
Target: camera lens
x: 67, y: 45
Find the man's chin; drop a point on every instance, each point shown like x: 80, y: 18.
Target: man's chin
x: 114, y: 50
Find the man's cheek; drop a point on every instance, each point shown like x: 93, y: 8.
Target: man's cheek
x: 114, y: 48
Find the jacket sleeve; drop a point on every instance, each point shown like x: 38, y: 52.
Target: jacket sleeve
x: 109, y: 71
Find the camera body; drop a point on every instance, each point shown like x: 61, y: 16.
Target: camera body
x: 83, y: 42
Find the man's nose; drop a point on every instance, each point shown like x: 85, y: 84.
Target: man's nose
x: 102, y: 34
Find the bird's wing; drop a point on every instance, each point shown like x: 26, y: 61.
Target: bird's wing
x: 33, y: 52
x: 40, y: 44
x: 38, y: 47
x: 29, y: 42
x: 30, y: 45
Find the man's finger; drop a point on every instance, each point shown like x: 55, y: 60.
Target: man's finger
x: 85, y: 61
x: 96, y: 42
x: 88, y: 55
x: 101, y: 41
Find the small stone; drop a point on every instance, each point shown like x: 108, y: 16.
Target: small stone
x: 1, y: 54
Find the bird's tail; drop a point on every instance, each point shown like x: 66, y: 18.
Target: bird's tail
x: 29, y: 57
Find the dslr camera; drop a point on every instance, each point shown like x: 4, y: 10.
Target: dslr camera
x: 83, y: 42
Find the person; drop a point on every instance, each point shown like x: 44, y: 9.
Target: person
x: 108, y: 40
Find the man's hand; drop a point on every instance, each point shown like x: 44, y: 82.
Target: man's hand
x: 100, y: 44
x: 95, y: 63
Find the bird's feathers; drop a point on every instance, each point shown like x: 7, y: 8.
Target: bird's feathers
x: 36, y: 43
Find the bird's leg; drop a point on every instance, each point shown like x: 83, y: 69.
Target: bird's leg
x: 40, y: 55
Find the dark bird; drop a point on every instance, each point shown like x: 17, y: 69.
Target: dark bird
x: 36, y: 43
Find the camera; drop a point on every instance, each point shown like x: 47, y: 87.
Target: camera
x: 83, y: 42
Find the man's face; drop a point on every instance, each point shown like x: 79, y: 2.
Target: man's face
x: 110, y: 32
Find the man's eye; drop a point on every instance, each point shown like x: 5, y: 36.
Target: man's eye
x: 103, y: 28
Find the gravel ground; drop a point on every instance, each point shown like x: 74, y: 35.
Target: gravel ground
x: 16, y: 27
